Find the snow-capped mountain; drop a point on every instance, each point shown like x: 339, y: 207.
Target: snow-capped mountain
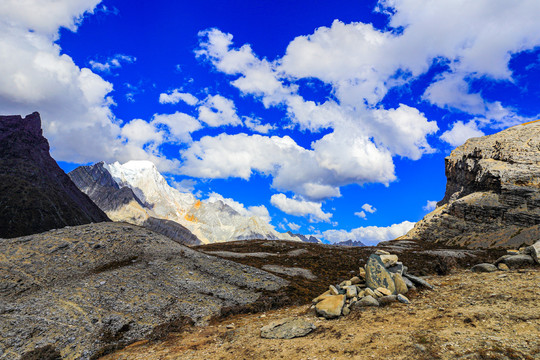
x: 151, y: 197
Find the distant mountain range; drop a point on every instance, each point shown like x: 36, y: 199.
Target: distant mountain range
x: 35, y: 194
x: 350, y: 243
x: 137, y: 193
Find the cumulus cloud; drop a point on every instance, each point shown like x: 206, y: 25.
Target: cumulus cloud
x: 369, y: 235
x: 300, y: 207
x: 255, y: 125
x: 111, y: 63
x: 175, y: 96
x: 460, y: 132
x: 361, y: 214
x: 217, y: 110
x: 430, y: 205
x: 369, y: 208
x: 179, y: 126
x: 258, y: 211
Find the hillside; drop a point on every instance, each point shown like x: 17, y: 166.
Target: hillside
x: 492, y: 194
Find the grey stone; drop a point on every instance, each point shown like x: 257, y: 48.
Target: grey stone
x: 385, y: 300
x: 367, y: 301
x: 287, y: 328
x: 484, y: 267
x: 517, y: 261
x: 418, y: 281
x: 403, y: 299
x: 534, y: 251
x: 377, y: 275
x: 397, y: 268
x: 408, y: 282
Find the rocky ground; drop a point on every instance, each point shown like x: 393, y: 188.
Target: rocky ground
x: 83, y: 291
x: 468, y: 316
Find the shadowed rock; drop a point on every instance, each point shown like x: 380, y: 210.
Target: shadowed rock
x: 35, y: 194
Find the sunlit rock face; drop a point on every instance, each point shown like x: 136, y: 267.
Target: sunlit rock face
x: 137, y: 193
x: 492, y: 194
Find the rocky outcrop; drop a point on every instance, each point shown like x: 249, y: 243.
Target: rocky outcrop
x: 35, y: 194
x: 85, y: 290
x: 492, y: 194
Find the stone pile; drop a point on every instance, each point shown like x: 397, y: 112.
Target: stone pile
x: 525, y: 256
x: 383, y: 280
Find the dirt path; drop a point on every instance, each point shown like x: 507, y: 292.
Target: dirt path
x: 468, y: 316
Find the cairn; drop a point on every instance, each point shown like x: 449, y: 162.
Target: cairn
x: 383, y: 280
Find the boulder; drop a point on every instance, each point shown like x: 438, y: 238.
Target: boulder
x: 367, y: 301
x: 331, y: 307
x: 377, y: 275
x: 288, y: 328
x: 534, y: 251
x: 401, y: 287
x: 518, y: 261
x: 484, y: 267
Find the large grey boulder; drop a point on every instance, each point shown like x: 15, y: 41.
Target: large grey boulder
x: 377, y: 275
x: 518, y: 261
x: 287, y: 328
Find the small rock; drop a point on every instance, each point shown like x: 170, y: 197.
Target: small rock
x: 403, y: 299
x: 361, y: 293
x: 321, y: 297
x: 503, y: 267
x: 382, y: 252
x: 408, y: 282
x: 401, y: 286
x: 333, y: 290
x: 288, y: 328
x: 351, y: 291
x: 367, y: 301
x: 397, y: 268
x: 385, y: 300
x: 484, y: 267
x: 384, y: 291
x: 512, y: 252
x: 355, y: 280
x: 230, y: 326
x: 362, y: 273
x: 369, y: 292
x: 331, y: 307
x: 378, y: 294
x: 345, y: 283
x: 419, y: 281
x: 346, y: 311
x: 389, y: 260
x: 534, y: 251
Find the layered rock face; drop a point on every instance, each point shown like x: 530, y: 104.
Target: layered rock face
x: 35, y: 194
x: 137, y: 193
x: 492, y: 194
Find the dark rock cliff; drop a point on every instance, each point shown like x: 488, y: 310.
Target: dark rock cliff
x: 492, y: 194
x: 35, y: 194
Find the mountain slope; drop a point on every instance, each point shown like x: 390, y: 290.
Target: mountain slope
x: 147, y: 195
x: 492, y: 194
x: 35, y: 194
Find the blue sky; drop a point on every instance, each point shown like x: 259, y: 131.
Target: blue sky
x: 335, y: 116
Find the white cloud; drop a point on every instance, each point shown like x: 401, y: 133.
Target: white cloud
x: 430, y: 205
x: 184, y: 186
x: 369, y: 208
x: 218, y: 111
x: 300, y: 207
x: 293, y: 226
x: 255, y: 125
x: 175, y: 96
x: 361, y: 215
x: 139, y: 133
x: 369, y: 235
x: 258, y: 211
x: 460, y: 132
x: 179, y: 125
x: 114, y: 62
